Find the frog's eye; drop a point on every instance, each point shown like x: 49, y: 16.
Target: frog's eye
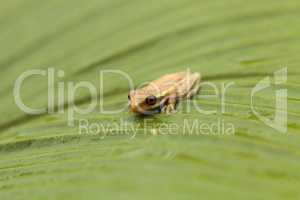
x: 151, y: 100
x: 129, y: 98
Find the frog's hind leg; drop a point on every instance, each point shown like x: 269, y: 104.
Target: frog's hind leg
x: 193, y: 83
x: 193, y: 92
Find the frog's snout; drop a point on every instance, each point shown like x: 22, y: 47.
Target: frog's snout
x: 134, y: 107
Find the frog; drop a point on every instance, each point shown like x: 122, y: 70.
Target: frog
x: 163, y: 94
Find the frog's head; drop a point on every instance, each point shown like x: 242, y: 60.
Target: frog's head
x: 145, y: 101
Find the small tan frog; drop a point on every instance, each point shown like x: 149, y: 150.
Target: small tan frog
x: 163, y: 94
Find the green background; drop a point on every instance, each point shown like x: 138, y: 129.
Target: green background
x: 41, y: 157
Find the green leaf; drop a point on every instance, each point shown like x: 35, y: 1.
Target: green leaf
x: 238, y: 42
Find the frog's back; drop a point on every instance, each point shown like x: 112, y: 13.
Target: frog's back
x: 170, y: 78
x: 180, y: 83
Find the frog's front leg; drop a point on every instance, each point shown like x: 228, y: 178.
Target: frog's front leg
x: 169, y: 104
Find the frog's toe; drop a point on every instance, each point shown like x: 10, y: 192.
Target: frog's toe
x: 169, y: 109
